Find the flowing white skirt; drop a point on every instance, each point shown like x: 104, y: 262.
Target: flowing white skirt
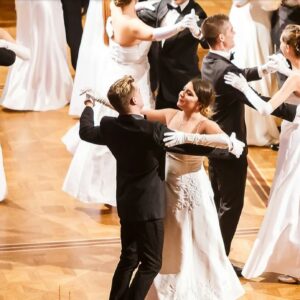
x: 277, y: 246
x: 44, y: 81
x: 195, y: 265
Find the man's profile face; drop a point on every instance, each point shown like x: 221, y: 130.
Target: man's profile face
x: 227, y: 36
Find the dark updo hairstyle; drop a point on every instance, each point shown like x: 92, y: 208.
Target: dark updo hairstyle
x: 206, y: 95
x: 291, y: 36
x: 122, y: 3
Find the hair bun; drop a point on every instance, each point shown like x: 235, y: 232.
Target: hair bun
x: 122, y: 3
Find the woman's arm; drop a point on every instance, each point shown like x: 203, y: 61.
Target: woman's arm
x: 141, y: 31
x: 292, y: 84
x: 160, y: 115
x: 209, y: 135
x: 6, y: 36
x: 209, y: 127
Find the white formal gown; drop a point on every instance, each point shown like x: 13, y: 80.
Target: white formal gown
x: 277, y: 246
x: 253, y: 44
x: 92, y: 174
x: 44, y: 81
x: 3, y: 187
x: 195, y: 265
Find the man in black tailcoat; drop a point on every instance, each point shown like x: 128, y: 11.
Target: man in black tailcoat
x: 174, y: 61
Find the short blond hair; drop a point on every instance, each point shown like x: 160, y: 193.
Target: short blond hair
x: 121, y: 92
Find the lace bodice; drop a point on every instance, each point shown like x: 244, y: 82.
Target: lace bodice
x: 188, y: 179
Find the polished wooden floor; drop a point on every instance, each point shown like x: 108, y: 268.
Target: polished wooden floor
x: 54, y: 247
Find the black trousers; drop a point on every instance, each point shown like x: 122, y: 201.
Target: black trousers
x: 142, y: 244
x: 228, y: 179
x: 7, y: 57
x: 72, y: 19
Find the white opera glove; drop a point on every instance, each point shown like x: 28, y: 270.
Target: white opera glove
x: 237, y: 147
x: 218, y: 140
x: 280, y: 64
x: 191, y: 23
x: 267, y: 68
x: 163, y: 33
x: 21, y: 51
x: 241, y: 84
x: 146, y: 5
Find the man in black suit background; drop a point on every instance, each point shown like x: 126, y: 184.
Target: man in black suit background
x: 137, y: 145
x: 173, y: 62
x: 73, y: 11
x: 228, y: 177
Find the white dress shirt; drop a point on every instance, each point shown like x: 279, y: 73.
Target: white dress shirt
x: 172, y: 15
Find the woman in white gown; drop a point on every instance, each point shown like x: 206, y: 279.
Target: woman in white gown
x: 91, y: 175
x: 251, y: 20
x: 277, y: 246
x: 194, y: 264
x: 44, y: 81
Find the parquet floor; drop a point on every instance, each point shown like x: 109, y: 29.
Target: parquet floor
x: 54, y: 247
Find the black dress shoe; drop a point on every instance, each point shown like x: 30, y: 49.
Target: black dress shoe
x: 274, y: 147
x: 238, y: 270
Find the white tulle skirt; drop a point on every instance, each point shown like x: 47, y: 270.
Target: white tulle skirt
x: 277, y: 246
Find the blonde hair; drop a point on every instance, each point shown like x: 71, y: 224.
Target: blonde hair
x: 291, y: 36
x: 121, y: 92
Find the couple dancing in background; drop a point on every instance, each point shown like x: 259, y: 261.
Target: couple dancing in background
x: 277, y: 247
x: 190, y: 214
x: 43, y: 81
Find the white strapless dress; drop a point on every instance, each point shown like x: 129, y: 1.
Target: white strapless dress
x: 92, y: 174
x: 195, y: 265
x: 44, y: 81
x: 3, y: 187
x: 253, y: 44
x: 277, y: 246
